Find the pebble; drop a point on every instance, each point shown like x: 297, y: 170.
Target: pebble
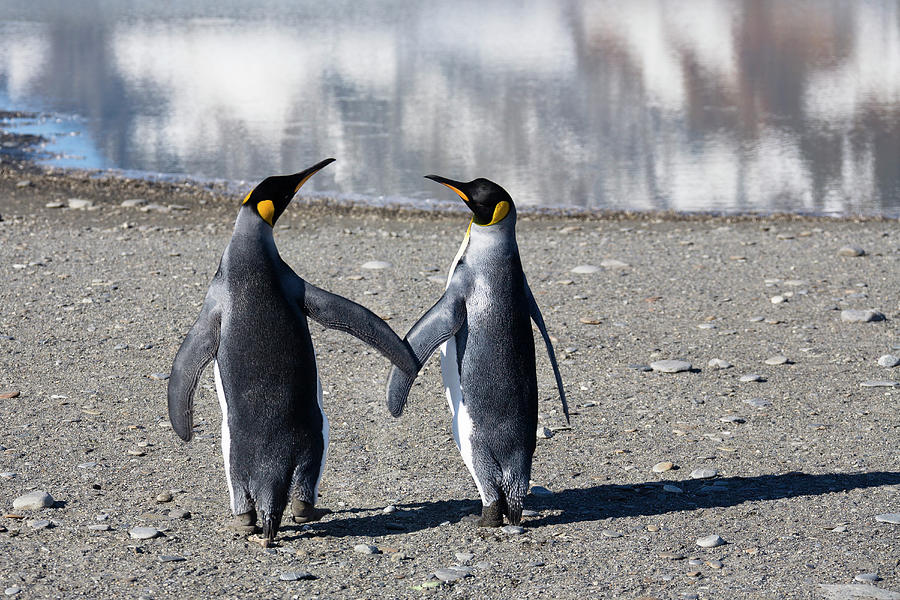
x: 851, y: 251
x: 296, y: 576
x: 390, y: 508
x: 375, y: 265
x: 612, y: 263
x: 133, y: 203
x: 670, y: 366
x: 24, y: 183
x: 154, y: 207
x: 695, y: 562
x: 450, y: 574
x: 178, y: 513
x: 540, y: 491
x: 867, y: 577
x: 703, y: 473
x: 8, y: 474
x: 662, y: 467
x: 365, y: 549
x: 757, y: 402
x: 778, y: 359
x: 610, y: 533
x: 586, y: 269
x: 639, y: 367
x: 159, y: 376
x: 710, y: 541
x: 12, y: 591
x: 674, y: 489
x: 164, y: 497
x: 861, y: 316
x: 143, y: 533
x: 544, y: 433
x: 54, y: 205
x: 99, y: 527
x: 856, y: 591
x: 671, y: 556
x: 718, y: 363
x: 715, y: 564
x: 39, y: 524
x: 513, y: 529
x: 751, y: 377
x: 33, y: 501
x: 529, y: 513
x: 879, y: 383
x: 893, y: 518
x: 80, y: 203
x: 889, y: 361
x: 732, y: 419
x: 464, y: 557
x: 777, y: 299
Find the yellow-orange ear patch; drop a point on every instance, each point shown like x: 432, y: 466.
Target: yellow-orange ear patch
x: 500, y: 212
x: 266, y: 210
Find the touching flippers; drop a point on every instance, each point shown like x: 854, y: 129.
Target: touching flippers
x: 197, y: 350
x: 337, y: 312
x: 539, y: 321
x: 435, y: 327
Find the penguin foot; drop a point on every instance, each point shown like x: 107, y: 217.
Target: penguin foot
x: 244, y: 523
x: 491, y: 515
x: 304, y: 512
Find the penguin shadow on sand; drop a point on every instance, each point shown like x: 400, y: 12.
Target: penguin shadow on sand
x: 578, y: 505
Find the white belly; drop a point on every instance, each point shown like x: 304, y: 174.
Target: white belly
x: 461, y: 422
x: 325, y: 431
x: 226, y: 433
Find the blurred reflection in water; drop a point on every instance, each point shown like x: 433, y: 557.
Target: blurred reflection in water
x: 755, y: 105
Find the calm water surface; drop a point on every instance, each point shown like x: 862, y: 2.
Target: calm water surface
x: 715, y: 105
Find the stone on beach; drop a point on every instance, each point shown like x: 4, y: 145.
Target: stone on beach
x: 718, y: 363
x: 851, y: 250
x: 670, y: 366
x: 33, y: 501
x: 586, y: 269
x: 889, y: 361
x: 80, y: 203
x: 374, y: 265
x: 893, y: 518
x: 710, y: 541
x: 861, y: 316
x: 143, y: 533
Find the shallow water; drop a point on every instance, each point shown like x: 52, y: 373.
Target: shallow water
x: 649, y: 105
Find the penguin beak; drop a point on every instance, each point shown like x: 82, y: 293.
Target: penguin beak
x: 303, y: 176
x: 456, y: 186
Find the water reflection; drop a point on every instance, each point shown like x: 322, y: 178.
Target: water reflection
x: 748, y: 105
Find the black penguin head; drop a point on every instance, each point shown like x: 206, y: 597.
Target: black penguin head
x: 271, y: 197
x: 488, y: 201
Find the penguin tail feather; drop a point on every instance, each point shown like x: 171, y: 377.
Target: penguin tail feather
x: 513, y: 492
x: 398, y: 386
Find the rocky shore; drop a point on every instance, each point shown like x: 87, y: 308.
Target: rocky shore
x: 732, y: 381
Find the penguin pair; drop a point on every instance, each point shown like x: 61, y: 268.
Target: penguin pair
x: 482, y: 324
x: 253, y: 327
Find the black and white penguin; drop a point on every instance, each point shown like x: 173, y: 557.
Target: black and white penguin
x: 253, y: 325
x: 482, y: 323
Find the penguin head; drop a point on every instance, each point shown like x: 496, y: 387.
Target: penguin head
x: 271, y: 197
x: 489, y: 202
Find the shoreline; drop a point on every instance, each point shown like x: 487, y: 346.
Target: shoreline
x: 18, y: 156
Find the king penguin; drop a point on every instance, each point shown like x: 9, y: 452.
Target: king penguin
x: 253, y: 327
x: 482, y: 323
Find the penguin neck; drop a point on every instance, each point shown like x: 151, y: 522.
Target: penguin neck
x: 499, y: 236
x: 251, y: 230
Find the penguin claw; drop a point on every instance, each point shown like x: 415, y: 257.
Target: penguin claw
x: 244, y: 523
x: 491, y: 515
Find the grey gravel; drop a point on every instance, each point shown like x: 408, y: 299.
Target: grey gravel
x: 670, y: 366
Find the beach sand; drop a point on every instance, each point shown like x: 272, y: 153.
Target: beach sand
x: 95, y: 302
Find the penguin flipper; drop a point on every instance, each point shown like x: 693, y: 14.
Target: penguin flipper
x: 197, y: 350
x: 436, y: 326
x: 539, y: 321
x: 336, y: 312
